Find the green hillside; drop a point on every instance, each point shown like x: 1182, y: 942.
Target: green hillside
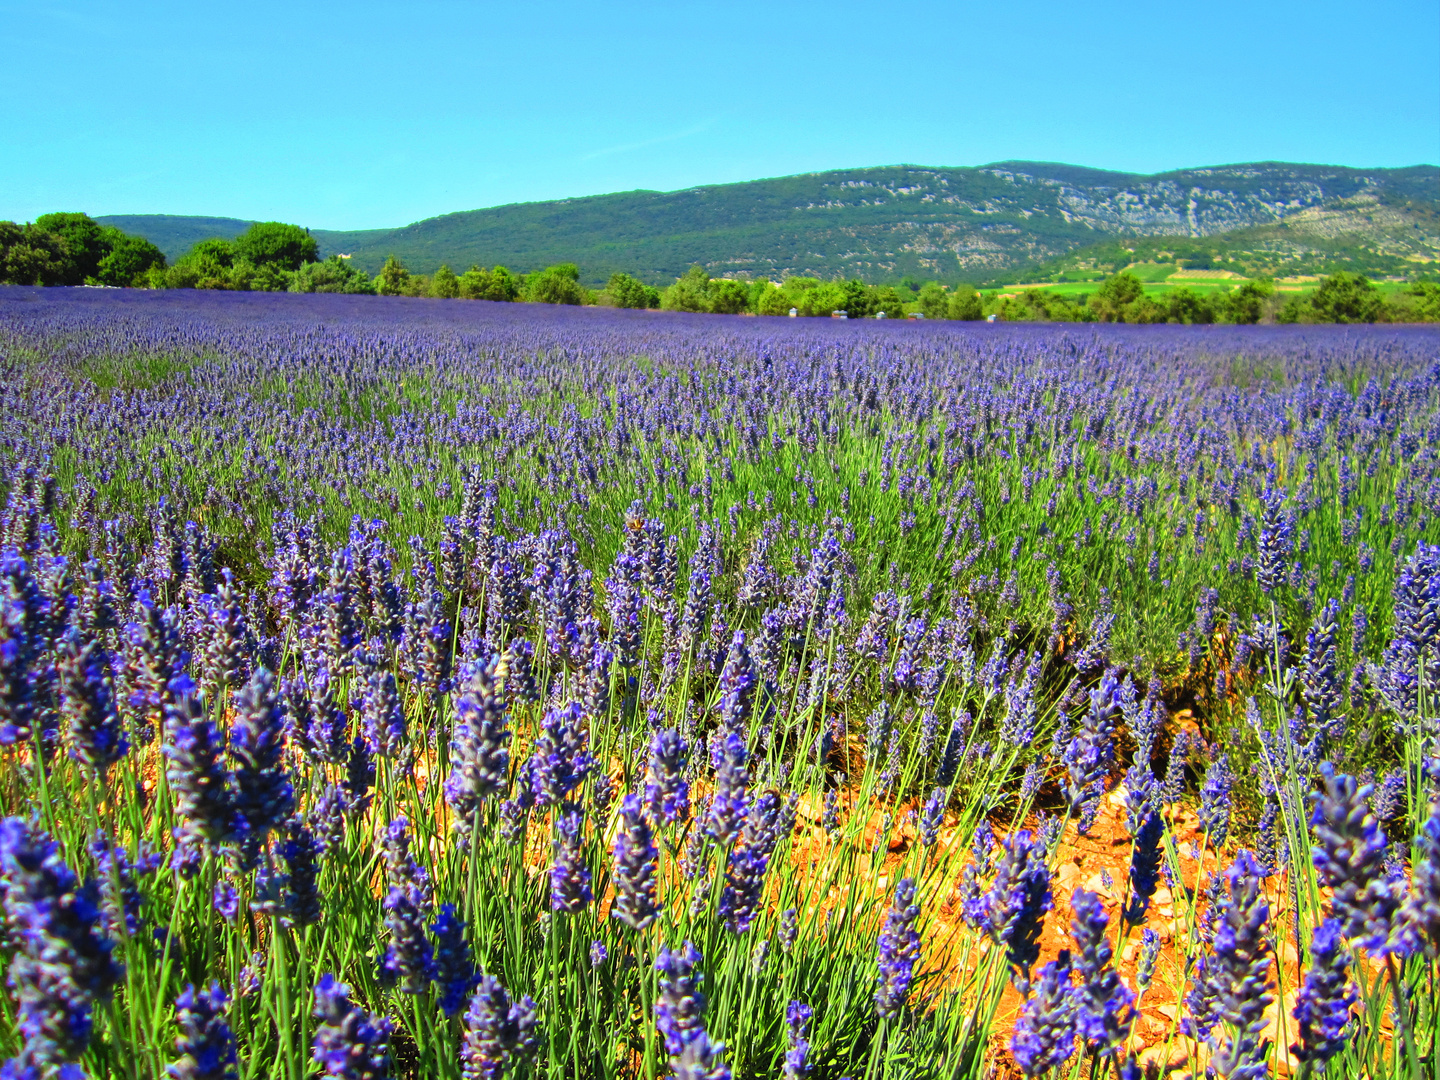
x: 987, y: 224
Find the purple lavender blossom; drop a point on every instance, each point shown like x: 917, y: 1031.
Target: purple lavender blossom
x: 1044, y: 1035
x: 264, y: 796
x: 561, y: 759
x: 569, y: 876
x: 408, y: 958
x: 636, y: 861
x: 1349, y: 857
x: 898, y: 950
x: 497, y: 1031
x: 455, y: 971
x: 797, y: 1055
x: 205, y: 1044
x: 1105, y: 1007
x: 667, y: 793
x: 350, y: 1043
x: 1322, y: 1009
x: 479, y: 748
x: 679, y: 1004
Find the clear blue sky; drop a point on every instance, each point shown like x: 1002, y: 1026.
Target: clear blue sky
x: 363, y: 115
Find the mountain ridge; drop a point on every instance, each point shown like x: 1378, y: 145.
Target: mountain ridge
x: 883, y: 222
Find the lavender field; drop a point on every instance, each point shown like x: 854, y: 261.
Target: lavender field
x: 412, y: 688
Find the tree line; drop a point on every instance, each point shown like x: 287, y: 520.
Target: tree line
x: 73, y: 249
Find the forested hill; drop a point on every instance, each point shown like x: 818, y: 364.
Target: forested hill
x: 881, y: 224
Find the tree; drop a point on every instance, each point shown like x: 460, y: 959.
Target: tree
x: 559, y: 284
x: 273, y: 243
x: 1187, y: 306
x: 628, y: 292
x: 444, y: 284
x: 129, y: 260
x: 767, y: 299
x: 207, y: 265
x: 965, y: 304
x: 887, y: 298
x: 728, y: 297
x: 1115, y: 295
x: 691, y: 292
x: 1344, y: 297
x: 393, y: 277
x: 1246, y: 304
x: 31, y: 256
x: 84, y: 240
x: 334, y: 275
x: 934, y: 304
x: 859, y: 299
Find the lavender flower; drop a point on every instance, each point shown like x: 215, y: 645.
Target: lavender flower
x: 1322, y: 1010
x: 454, y: 970
x: 679, y: 1003
x: 667, y: 794
x: 1231, y: 983
x: 1145, y: 859
x: 1215, y: 801
x: 1349, y: 856
x: 636, y: 860
x: 497, y: 1031
x: 382, y: 716
x: 206, y: 1045
x: 479, y: 754
x: 303, y: 905
x: 1105, y: 1011
x: 88, y: 705
x: 407, y: 905
x: 200, y: 782
x: 569, y: 877
x: 561, y: 759
x: 1012, y: 912
x: 932, y: 816
x: 1044, y: 1035
x: 264, y: 795
x: 350, y: 1043
x: 700, y: 1060
x: 1422, y: 907
x: 797, y: 1024
x: 898, y: 951
x: 731, y: 800
x: 62, y: 964
x: 1092, y: 752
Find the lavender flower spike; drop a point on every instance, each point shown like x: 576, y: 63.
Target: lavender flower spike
x: 206, y: 1045
x: 497, y: 1030
x: 350, y: 1043
x: 899, y: 950
x: 635, y: 865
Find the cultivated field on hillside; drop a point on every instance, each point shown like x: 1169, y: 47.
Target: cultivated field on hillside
x: 394, y: 687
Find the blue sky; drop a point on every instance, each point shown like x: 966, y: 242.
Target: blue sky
x: 364, y: 115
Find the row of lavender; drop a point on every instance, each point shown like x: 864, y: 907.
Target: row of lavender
x: 629, y: 639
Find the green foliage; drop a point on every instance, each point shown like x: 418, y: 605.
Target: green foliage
x: 393, y: 278
x: 1246, y: 304
x: 73, y: 249
x: 933, y: 302
x: 630, y: 292
x: 965, y: 304
x: 498, y: 284
x: 691, y: 292
x: 334, y: 275
x: 273, y: 243
x: 1115, y: 295
x: 559, y: 284
x: 32, y: 256
x: 444, y: 284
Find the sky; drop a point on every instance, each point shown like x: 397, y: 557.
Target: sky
x: 369, y: 115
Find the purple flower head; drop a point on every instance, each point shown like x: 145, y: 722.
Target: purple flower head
x: 744, y: 887
x: 898, y: 951
x: 1044, y: 1035
x: 700, y: 1060
x: 731, y: 800
x: 1145, y: 859
x: 1231, y: 984
x: 454, y: 970
x: 1105, y: 1011
x: 679, y: 1004
x: 797, y: 1025
x: 96, y: 737
x: 1323, y: 1008
x: 932, y: 816
x: 62, y: 963
x: 569, y: 876
x: 479, y: 748
x: 264, y: 795
x: 636, y: 861
x: 350, y: 1043
x: 205, y: 1045
x: 382, y: 715
x: 1422, y: 907
x: 561, y: 760
x: 407, y: 906
x: 1215, y: 801
x: 195, y: 772
x: 497, y: 1030
x: 303, y: 905
x: 789, y: 929
x: 1012, y: 912
x: 667, y: 793
x: 119, y: 887
x: 1349, y: 856
x: 1091, y: 753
